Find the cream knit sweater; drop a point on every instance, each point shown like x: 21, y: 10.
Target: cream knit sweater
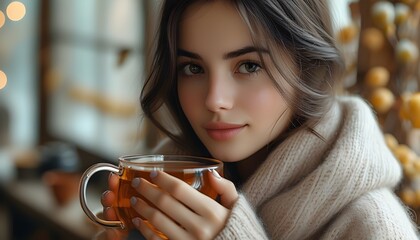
x: 311, y: 189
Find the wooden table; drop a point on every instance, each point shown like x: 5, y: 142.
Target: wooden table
x: 33, y: 200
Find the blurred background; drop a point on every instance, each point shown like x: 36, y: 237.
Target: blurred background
x: 71, y: 72
x: 70, y: 79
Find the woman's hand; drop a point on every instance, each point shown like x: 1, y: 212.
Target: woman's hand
x: 180, y: 211
x: 109, y: 198
x: 109, y: 201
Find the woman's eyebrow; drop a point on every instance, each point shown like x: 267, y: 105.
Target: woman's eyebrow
x: 229, y: 55
x: 243, y: 51
x: 185, y: 53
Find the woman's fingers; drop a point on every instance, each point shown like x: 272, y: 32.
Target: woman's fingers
x: 165, y: 203
x: 145, y: 230
x: 108, y: 198
x: 184, y: 193
x: 113, y: 182
x: 110, y: 214
x: 181, y: 204
x: 225, y: 188
x: 157, y: 219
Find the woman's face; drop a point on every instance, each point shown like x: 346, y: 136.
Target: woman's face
x: 227, y: 96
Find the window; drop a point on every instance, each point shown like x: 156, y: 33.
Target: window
x: 94, y: 71
x: 18, y: 57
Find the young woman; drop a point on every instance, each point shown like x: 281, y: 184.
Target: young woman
x: 252, y: 83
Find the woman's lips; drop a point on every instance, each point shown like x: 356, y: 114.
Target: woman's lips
x: 223, y: 131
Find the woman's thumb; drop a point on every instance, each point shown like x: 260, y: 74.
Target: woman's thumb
x: 225, y: 188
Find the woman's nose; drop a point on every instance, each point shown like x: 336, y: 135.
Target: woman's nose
x: 220, y: 93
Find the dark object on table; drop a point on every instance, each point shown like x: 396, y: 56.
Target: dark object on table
x: 58, y: 156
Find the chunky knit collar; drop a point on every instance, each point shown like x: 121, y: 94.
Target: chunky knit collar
x: 312, y: 179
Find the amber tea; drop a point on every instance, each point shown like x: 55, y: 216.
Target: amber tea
x: 192, y: 170
x: 193, y: 173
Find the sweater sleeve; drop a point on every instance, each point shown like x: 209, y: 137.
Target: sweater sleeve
x: 243, y: 223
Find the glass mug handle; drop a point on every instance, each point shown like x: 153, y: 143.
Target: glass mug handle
x: 82, y: 192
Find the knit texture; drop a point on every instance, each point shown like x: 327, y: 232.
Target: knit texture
x: 336, y: 188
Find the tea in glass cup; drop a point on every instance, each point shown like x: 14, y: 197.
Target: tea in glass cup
x: 192, y: 170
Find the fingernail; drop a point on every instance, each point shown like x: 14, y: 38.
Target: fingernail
x: 136, y: 222
x: 133, y: 201
x: 106, y: 209
x: 153, y: 174
x: 215, y: 173
x: 105, y: 193
x: 135, y: 182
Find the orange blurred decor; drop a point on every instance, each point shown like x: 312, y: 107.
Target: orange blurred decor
x: 3, y: 80
x: 63, y: 185
x: 16, y: 11
x: 381, y: 48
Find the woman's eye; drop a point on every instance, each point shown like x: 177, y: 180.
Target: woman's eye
x: 248, y: 67
x: 191, y: 69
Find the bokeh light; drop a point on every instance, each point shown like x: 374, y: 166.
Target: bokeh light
x: 3, y: 79
x: 2, y: 19
x: 16, y: 11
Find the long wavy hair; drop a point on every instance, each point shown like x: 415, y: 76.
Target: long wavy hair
x: 298, y: 35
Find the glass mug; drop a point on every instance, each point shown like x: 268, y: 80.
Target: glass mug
x: 190, y: 169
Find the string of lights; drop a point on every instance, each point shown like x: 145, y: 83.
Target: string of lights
x: 15, y: 11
